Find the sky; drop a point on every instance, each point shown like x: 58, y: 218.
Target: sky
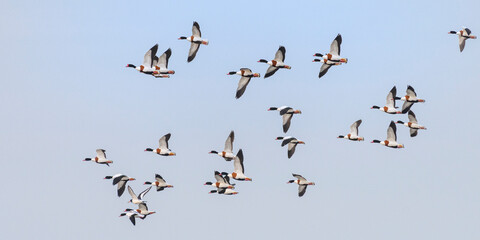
x: 66, y: 92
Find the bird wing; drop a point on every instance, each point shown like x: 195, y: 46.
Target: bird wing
x: 291, y: 149
x: 411, y: 92
x: 132, y: 193
x: 101, y: 154
x: 354, y: 127
x: 159, y: 178
x: 196, y: 30
x: 163, y: 141
x: 242, y: 86
x: 270, y: 71
x: 121, y: 188
x: 163, y: 60
x: 142, y: 194
x: 219, y: 177
x: 301, y: 190
x: 468, y: 31
x: 461, y: 41
x: 413, y: 132
x: 286, y: 121
x: 143, y: 206
x: 411, y: 117
x: 193, y: 51
x: 299, y: 177
x: 155, y: 61
x: 392, y: 132
x: 287, y: 140
x: 117, y: 178
x: 238, y: 162
x: 149, y: 55
x: 324, y: 69
x: 391, y: 97
x: 280, y: 55
x: 406, y: 106
x: 229, y: 142
x: 335, y: 46
x: 132, y: 218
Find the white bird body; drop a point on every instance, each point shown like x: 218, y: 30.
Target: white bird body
x: 160, y: 183
x: 101, y: 158
x: 412, y: 124
x: 302, y: 184
x: 163, y: 148
x: 292, y: 144
x: 147, y: 66
x: 463, y: 35
x: 195, y: 41
x: 137, y: 199
x: 227, y: 152
x: 238, y: 168
x: 391, y: 137
x: 390, y: 103
x: 353, y: 135
x: 287, y: 114
x: 142, y: 209
x: 276, y: 63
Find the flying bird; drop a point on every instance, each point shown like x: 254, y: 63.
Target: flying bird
x: 101, y: 158
x: 246, y: 74
x: 227, y: 152
x: 463, y: 35
x: 353, y: 135
x: 147, y: 66
x: 132, y: 215
x: 161, y: 65
x: 121, y: 180
x: 412, y: 124
x: 142, y: 210
x: 292, y: 144
x: 391, y: 137
x: 160, y: 183
x: 195, y: 40
x: 225, y: 191
x: 276, y: 63
x: 302, y: 184
x: 221, y: 181
x: 390, y: 106
x: 287, y: 114
x: 137, y: 199
x: 331, y: 58
x: 409, y: 99
x: 163, y: 147
x: 238, y: 168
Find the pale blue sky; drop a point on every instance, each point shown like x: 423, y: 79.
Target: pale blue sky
x: 66, y: 92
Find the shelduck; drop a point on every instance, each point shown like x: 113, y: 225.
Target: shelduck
x: 147, y: 66
x: 332, y: 58
x: 287, y: 114
x: 163, y: 147
x: 160, y: 184
x: 247, y: 75
x: 292, y: 144
x: 222, y: 182
x: 390, y: 106
x: 225, y: 191
x: 101, y: 158
x: 409, y: 99
x: 276, y: 63
x: 391, y: 137
x: 325, y: 66
x: 238, y: 168
x: 161, y: 65
x: 353, y: 135
x: 137, y: 199
x: 463, y: 35
x: 302, y: 184
x: 142, y: 210
x: 412, y: 124
x: 195, y: 40
x: 132, y: 215
x: 227, y: 152
x: 121, y: 180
